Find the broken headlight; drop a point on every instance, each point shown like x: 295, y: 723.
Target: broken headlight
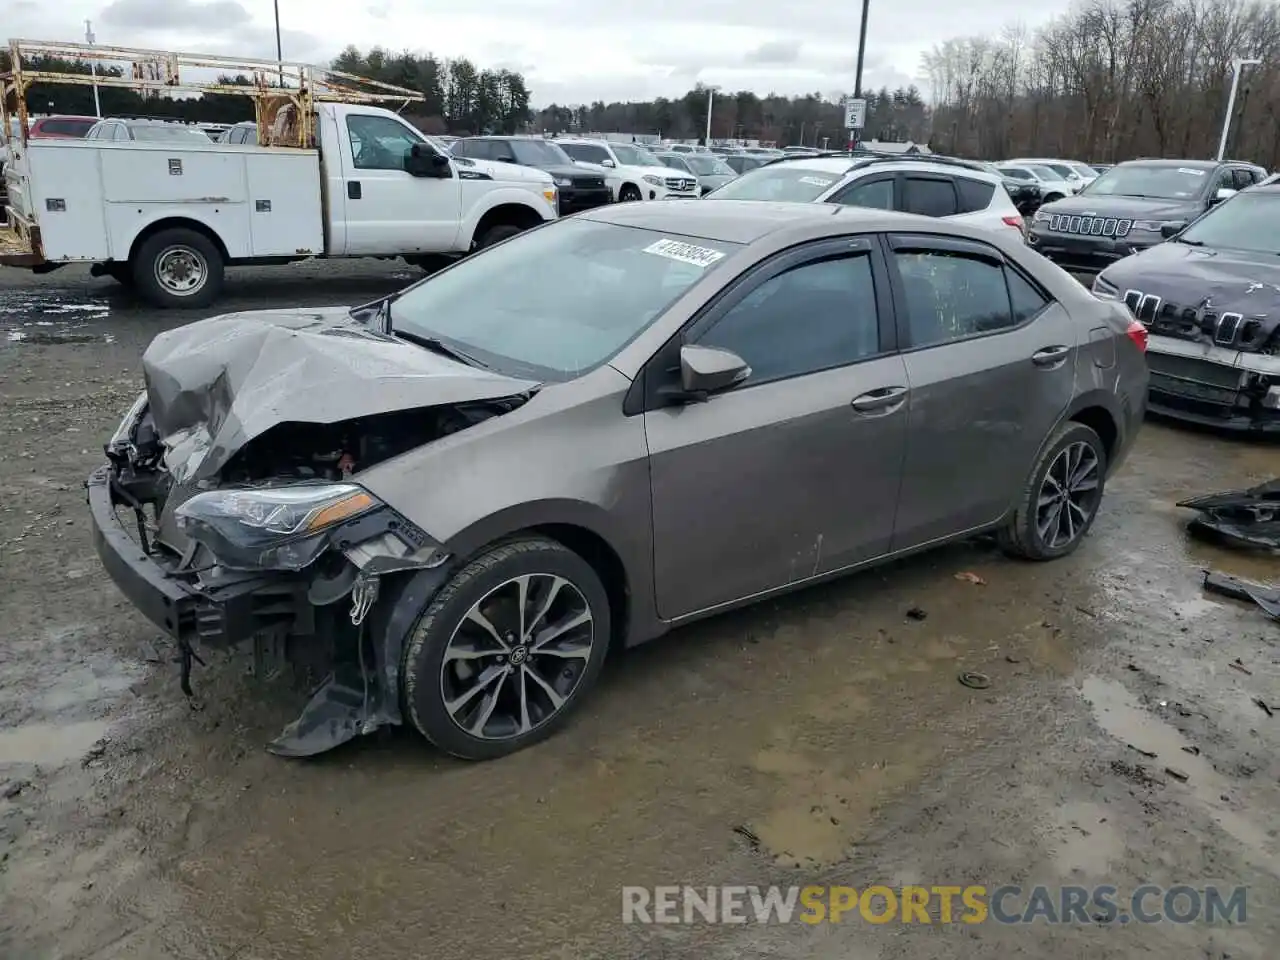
x: 272, y: 528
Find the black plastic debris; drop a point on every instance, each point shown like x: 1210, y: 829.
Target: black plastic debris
x: 1266, y: 597
x: 1242, y: 518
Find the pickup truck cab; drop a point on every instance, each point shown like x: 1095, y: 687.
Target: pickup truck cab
x: 167, y: 217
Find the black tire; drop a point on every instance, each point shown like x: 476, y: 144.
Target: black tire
x: 148, y: 265
x: 423, y: 693
x: 496, y: 234
x: 1020, y: 537
x: 629, y: 193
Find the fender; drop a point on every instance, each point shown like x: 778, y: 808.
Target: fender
x: 191, y: 214
x: 481, y: 196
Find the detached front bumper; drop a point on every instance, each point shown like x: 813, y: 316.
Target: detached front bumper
x: 1214, y: 386
x: 190, y: 609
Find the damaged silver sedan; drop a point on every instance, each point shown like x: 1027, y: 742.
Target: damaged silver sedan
x: 456, y: 500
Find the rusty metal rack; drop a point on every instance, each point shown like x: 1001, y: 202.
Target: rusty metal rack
x: 284, y: 94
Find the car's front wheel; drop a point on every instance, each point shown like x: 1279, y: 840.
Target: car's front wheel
x: 507, y: 649
x: 1061, y: 498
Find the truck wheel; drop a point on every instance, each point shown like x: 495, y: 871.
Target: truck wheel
x: 178, y: 269
x: 496, y: 234
x: 507, y: 649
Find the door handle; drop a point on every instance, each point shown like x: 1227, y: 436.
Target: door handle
x: 880, y: 399
x: 353, y: 189
x: 1050, y: 356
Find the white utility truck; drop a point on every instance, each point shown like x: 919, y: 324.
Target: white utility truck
x: 337, y: 177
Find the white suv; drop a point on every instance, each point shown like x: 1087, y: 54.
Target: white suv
x: 640, y: 175
x: 934, y: 188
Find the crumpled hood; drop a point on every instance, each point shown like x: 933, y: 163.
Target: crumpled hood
x: 1125, y: 208
x: 216, y: 384
x: 1224, y: 281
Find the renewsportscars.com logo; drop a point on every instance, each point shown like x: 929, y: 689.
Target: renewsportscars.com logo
x: 972, y: 904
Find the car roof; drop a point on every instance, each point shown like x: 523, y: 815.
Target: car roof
x: 745, y: 221
x: 1155, y: 162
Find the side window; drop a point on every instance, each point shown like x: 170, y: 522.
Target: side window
x: 974, y: 194
x: 1025, y: 298
x: 461, y: 148
x: 951, y: 295
x: 931, y: 196
x: 1241, y: 178
x: 1225, y: 181
x: 499, y: 150
x: 812, y: 317
x: 874, y: 192
x: 379, y: 143
x: 118, y: 131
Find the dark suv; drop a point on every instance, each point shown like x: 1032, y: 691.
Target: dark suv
x: 579, y: 188
x: 1133, y: 206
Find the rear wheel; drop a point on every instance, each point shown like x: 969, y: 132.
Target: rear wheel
x: 1061, y: 497
x: 507, y: 649
x: 179, y: 269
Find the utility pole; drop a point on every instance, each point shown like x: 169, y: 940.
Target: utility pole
x: 93, y: 69
x: 1237, y: 67
x: 279, y: 49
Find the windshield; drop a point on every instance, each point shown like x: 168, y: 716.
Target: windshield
x: 160, y: 132
x: 1084, y: 170
x: 559, y: 300
x: 778, y: 182
x: 634, y: 156
x: 709, y: 166
x: 1163, y: 182
x: 535, y: 153
x: 1015, y: 173
x: 1045, y: 173
x: 1247, y: 221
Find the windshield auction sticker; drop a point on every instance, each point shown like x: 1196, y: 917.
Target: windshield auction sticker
x: 685, y: 252
x: 1190, y: 170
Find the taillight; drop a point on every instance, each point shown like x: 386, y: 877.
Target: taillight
x: 1138, y: 334
x: 1016, y: 222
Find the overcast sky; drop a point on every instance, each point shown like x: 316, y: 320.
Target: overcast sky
x: 570, y: 51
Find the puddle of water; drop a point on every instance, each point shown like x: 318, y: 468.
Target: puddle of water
x: 49, y: 742
x: 1119, y: 714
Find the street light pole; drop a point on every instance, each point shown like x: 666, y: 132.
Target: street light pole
x: 711, y: 99
x: 1237, y: 67
x: 856, y: 135
x: 93, y: 69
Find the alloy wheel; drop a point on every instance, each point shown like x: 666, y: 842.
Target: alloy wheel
x: 517, y: 656
x: 1068, y: 495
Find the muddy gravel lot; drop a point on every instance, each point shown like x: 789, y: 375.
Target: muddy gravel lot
x: 820, y: 739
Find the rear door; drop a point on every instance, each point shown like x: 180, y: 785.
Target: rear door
x: 990, y: 361
x: 794, y: 473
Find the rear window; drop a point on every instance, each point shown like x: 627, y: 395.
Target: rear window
x: 974, y: 194
x: 67, y: 128
x: 778, y: 182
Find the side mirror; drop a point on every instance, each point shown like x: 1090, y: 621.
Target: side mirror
x: 422, y: 161
x: 607, y: 163
x: 1171, y: 230
x: 1223, y: 194
x: 708, y: 370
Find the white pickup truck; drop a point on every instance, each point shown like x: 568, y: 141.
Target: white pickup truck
x: 168, y: 217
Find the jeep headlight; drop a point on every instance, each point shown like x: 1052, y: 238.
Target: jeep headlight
x: 1042, y: 216
x: 272, y: 528
x: 562, y: 181
x: 654, y: 180
x: 1104, y: 289
x: 1153, y: 226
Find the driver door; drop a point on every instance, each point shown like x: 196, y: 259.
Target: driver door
x: 386, y: 209
x: 795, y: 472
